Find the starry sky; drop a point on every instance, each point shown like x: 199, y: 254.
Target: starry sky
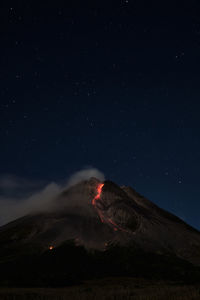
x: 108, y: 84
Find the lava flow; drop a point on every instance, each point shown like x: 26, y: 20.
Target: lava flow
x: 101, y: 215
x: 98, y: 196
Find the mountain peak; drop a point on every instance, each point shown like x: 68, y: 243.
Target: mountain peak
x: 95, y: 214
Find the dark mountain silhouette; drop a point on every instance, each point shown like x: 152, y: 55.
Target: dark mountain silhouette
x: 97, y: 229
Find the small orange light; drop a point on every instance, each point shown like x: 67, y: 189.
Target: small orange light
x: 51, y: 248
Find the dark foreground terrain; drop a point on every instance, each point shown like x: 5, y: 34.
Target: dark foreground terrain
x: 109, y: 289
x: 70, y: 265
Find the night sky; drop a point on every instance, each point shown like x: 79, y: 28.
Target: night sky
x: 109, y: 84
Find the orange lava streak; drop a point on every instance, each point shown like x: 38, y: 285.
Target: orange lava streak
x: 102, y: 217
x: 99, y: 190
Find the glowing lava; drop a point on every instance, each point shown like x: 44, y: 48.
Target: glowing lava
x: 101, y: 214
x: 98, y: 196
x: 51, y: 247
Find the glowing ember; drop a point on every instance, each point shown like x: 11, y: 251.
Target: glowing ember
x: 50, y: 247
x: 114, y: 224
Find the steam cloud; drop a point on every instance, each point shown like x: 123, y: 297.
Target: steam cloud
x: 19, y: 197
x: 85, y: 175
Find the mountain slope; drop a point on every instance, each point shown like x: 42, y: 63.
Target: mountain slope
x: 102, y: 224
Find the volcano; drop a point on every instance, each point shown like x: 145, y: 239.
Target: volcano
x: 97, y: 229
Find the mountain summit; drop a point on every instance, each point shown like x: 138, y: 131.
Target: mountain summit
x: 98, y: 216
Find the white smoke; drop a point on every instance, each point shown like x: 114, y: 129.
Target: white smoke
x: 29, y: 197
x: 13, y: 208
x: 85, y: 174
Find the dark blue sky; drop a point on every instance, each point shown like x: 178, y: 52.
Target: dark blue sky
x: 113, y: 85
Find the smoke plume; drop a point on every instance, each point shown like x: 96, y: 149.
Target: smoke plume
x: 85, y: 174
x: 19, y: 197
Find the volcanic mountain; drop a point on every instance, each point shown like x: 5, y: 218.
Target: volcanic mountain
x: 94, y: 224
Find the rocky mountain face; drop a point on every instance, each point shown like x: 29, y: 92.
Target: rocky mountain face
x: 99, y: 216
x: 96, y: 214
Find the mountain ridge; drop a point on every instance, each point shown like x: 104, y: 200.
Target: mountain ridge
x: 102, y: 219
